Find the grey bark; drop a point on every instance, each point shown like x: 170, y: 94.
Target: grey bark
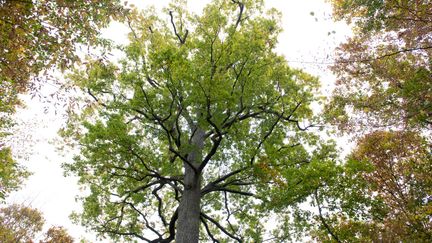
x: 189, y: 210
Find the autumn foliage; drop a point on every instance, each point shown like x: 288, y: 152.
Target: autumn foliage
x: 401, y: 179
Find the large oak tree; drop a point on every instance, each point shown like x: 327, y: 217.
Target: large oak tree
x: 199, y: 132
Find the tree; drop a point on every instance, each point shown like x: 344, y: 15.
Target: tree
x: 57, y: 235
x: 11, y: 173
x: 384, y: 70
x: 34, y: 37
x: 383, y: 93
x: 401, y: 162
x: 194, y: 134
x: 384, y: 193
x: 19, y: 223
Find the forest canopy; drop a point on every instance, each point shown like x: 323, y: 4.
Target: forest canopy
x: 199, y: 129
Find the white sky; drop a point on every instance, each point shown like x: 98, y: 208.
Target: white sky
x: 304, y: 42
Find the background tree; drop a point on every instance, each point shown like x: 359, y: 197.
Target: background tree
x: 34, y: 37
x: 194, y: 134
x: 57, y: 235
x: 383, y: 94
x: 384, y: 70
x: 11, y: 173
x: 19, y: 223
x: 383, y: 194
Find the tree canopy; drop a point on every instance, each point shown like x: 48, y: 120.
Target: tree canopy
x: 57, y: 234
x: 383, y: 95
x: 384, y: 70
x: 11, y: 173
x: 19, y: 223
x: 200, y: 132
x: 381, y: 193
x: 34, y: 37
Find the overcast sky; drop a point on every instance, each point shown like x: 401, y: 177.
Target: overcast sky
x: 308, y: 40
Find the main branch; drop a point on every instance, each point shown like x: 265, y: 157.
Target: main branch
x: 181, y: 39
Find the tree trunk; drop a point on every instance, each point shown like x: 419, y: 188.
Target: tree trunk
x: 189, y: 210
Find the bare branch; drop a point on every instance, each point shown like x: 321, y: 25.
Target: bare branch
x: 398, y: 52
x: 171, y: 229
x: 221, y: 228
x: 181, y: 39
x: 153, y: 82
x: 329, y: 230
x: 241, y: 8
x: 216, y: 140
x: 141, y: 188
x: 233, y: 173
x: 288, y: 146
x: 269, y: 132
x: 129, y: 23
x: 124, y: 234
x: 154, y: 192
x: 215, y: 188
x: 141, y: 160
x: 144, y: 218
x: 208, y: 230
x: 228, y: 212
x: 184, y: 159
x: 95, y: 98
